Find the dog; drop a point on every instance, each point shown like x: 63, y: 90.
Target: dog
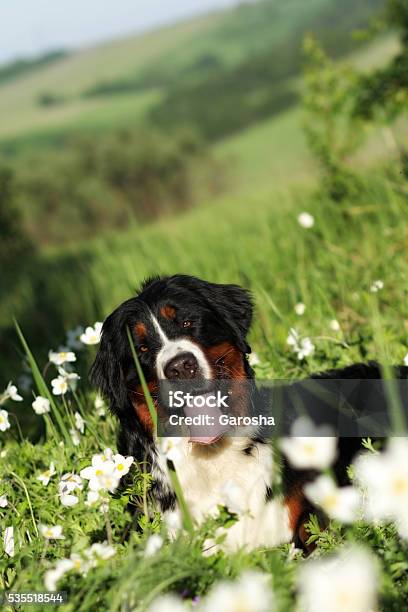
x: 187, y: 329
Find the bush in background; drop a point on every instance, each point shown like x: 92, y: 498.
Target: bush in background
x: 105, y: 182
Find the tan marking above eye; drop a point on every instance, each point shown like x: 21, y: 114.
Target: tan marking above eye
x: 141, y: 331
x: 168, y: 312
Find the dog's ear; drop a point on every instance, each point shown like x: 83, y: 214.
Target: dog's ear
x: 106, y: 372
x: 232, y: 304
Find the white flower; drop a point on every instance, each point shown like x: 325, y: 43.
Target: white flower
x: 60, y: 357
x: 101, y: 474
x: 233, y: 497
x: 70, y: 482
x: 306, y: 348
x: 79, y: 422
x: 376, y: 286
x: 347, y: 581
x: 91, y: 498
x: 51, y: 532
x: 52, y: 576
x: 73, y: 341
x: 173, y: 521
x: 340, y: 504
x: 107, y: 455
x: 71, y: 378
x: 300, y: 309
x: 171, y: 448
x: 4, y: 420
x: 74, y: 437
x: 293, y: 337
x: 12, y: 393
x: 153, y: 544
x: 100, y: 406
x: 3, y: 501
x: 79, y: 564
x: 384, y: 479
x: 59, y: 385
x: 306, y: 220
x: 406, y: 360
x: 167, y: 603
x: 253, y: 359
x: 68, y: 500
x: 122, y: 464
x: 8, y: 541
x: 47, y: 475
x: 334, y: 325
x: 92, y: 335
x: 310, y: 446
x: 41, y: 405
x: 100, y: 551
x: 303, y: 347
x: 250, y: 593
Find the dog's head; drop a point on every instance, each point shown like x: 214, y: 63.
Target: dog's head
x: 183, y: 328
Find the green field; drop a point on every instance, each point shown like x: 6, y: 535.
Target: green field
x: 172, y: 52
x: 348, y: 269
x: 257, y: 242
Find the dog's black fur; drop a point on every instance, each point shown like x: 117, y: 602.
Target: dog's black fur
x: 210, y: 315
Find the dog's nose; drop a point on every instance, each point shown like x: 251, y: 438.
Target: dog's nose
x: 182, y: 367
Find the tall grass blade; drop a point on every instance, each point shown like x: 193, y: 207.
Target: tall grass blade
x: 187, y: 520
x: 42, y: 386
x: 148, y: 397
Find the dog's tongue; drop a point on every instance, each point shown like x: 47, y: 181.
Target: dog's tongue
x: 206, y: 433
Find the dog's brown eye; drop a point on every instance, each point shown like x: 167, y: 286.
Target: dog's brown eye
x: 143, y: 348
x: 187, y: 323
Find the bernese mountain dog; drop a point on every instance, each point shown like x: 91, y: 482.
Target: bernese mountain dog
x: 184, y: 329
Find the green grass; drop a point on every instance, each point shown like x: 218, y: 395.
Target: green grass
x: 257, y: 242
x: 250, y: 236
x: 271, y: 153
x: 253, y: 240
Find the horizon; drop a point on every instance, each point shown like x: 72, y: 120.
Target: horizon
x: 71, y: 26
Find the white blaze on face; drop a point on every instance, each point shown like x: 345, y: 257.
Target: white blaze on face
x: 172, y: 348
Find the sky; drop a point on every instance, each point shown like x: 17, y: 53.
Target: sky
x: 31, y: 27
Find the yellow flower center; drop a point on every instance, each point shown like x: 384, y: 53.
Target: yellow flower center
x: 344, y: 599
x: 330, y: 501
x: 309, y: 448
x: 120, y: 467
x: 400, y: 485
x: 98, y: 472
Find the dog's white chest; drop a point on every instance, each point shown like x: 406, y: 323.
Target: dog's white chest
x: 224, y: 474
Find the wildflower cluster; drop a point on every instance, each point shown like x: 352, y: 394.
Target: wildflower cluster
x: 75, y: 563
x: 302, y: 346
x: 380, y: 492
x: 104, y: 474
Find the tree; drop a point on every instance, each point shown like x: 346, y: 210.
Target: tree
x: 332, y: 130
x: 384, y: 92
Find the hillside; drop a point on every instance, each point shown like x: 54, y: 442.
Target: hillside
x: 116, y: 83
